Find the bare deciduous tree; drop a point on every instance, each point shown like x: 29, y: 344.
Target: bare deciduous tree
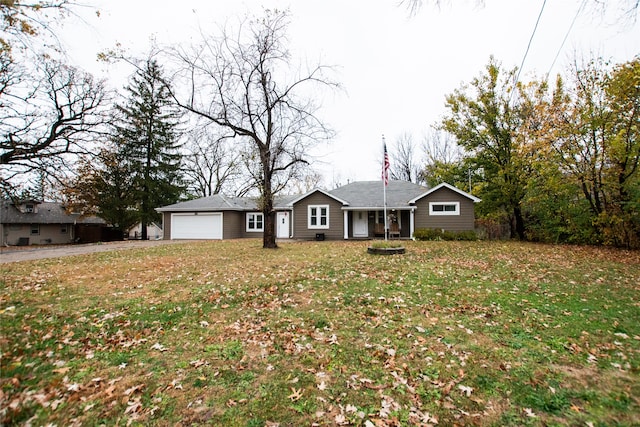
x: 46, y: 117
x: 404, y: 164
x: 443, y: 158
x: 626, y: 10
x: 210, y: 165
x: 244, y: 82
x: 440, y: 146
x: 46, y: 107
x: 306, y: 183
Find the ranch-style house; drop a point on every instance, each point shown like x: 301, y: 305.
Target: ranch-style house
x: 353, y: 211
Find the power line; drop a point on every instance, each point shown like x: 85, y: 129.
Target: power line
x: 566, y: 36
x: 515, y: 83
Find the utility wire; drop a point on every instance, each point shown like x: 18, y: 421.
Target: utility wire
x: 567, y: 35
x: 515, y: 83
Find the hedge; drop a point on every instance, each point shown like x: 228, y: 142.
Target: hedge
x: 435, y: 234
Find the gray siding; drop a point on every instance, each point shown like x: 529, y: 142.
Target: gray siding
x: 241, y: 226
x: 232, y: 224
x: 166, y: 225
x: 464, y: 221
x: 301, y: 217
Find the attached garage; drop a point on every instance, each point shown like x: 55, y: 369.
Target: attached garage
x: 196, y: 225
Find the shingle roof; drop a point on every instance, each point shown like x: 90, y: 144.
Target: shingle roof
x: 218, y: 202
x: 361, y: 194
x: 450, y: 187
x: 370, y: 194
x: 46, y: 213
x: 215, y: 202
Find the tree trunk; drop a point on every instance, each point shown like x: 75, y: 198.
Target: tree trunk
x: 143, y: 232
x: 519, y: 220
x: 269, y: 235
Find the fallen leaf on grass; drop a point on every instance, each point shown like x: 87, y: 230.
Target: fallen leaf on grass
x: 465, y: 390
x: 159, y: 347
x: 341, y: 420
x: 133, y: 389
x: 133, y: 407
x: 295, y: 395
x: 197, y: 363
x: 350, y: 408
x: 175, y: 384
x: 448, y: 405
x: 73, y: 387
x: 109, y: 391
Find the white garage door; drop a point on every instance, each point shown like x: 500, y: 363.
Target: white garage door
x: 196, y: 226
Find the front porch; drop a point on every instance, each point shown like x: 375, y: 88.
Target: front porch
x: 369, y: 224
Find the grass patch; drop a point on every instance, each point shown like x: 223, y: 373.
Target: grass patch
x: 226, y: 333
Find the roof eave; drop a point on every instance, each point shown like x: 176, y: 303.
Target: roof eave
x: 473, y: 198
x: 307, y: 194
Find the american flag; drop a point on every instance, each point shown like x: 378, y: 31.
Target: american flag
x: 385, y: 166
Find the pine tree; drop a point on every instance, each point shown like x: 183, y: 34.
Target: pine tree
x: 147, y: 133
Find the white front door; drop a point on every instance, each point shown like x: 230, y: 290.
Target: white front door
x: 282, y: 227
x: 360, y: 224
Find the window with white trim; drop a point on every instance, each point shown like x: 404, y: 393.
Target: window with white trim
x: 444, y: 208
x: 255, y: 222
x: 318, y: 216
x: 35, y: 229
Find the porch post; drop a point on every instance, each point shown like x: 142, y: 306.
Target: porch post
x: 412, y: 223
x: 346, y: 224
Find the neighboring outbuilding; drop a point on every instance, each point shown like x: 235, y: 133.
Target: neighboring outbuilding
x: 353, y: 211
x: 33, y: 222
x: 154, y: 232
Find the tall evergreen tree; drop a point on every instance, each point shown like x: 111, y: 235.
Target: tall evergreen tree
x: 147, y: 132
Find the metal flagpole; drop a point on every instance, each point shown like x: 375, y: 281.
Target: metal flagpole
x: 385, y: 166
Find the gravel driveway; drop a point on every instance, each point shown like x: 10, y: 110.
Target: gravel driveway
x: 28, y: 253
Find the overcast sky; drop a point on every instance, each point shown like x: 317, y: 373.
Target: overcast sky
x: 395, y: 68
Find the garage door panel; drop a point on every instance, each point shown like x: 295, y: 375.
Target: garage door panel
x: 196, y: 226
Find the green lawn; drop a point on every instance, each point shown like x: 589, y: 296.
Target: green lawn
x: 226, y: 333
